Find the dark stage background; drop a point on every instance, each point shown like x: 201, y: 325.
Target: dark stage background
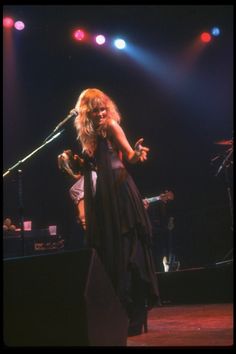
x: 179, y: 100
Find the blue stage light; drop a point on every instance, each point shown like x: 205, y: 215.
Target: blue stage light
x: 215, y: 31
x: 119, y: 43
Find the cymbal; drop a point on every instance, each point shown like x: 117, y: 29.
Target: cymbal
x: 225, y: 142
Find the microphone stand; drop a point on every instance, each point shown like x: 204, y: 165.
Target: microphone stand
x: 225, y: 164
x: 18, y: 166
x: 230, y: 205
x: 226, y: 159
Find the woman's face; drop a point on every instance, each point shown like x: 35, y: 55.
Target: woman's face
x: 98, y: 114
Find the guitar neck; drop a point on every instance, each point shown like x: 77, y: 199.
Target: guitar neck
x: 153, y: 199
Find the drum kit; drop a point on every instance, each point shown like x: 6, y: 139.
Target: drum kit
x: 227, y: 156
x: 226, y: 162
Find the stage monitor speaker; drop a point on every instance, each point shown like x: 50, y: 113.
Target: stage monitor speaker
x: 211, y: 284
x: 61, y: 300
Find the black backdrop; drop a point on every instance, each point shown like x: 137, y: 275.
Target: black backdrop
x: 45, y: 70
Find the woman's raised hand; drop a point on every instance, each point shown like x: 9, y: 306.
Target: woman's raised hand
x: 140, y: 150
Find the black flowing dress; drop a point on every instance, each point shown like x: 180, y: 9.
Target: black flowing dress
x: 118, y: 227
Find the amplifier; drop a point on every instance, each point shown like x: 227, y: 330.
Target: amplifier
x: 34, y: 242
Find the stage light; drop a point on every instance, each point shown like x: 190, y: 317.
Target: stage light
x: 79, y: 35
x: 8, y: 22
x: 100, y: 39
x: 205, y: 37
x: 19, y: 25
x: 215, y: 31
x: 119, y: 43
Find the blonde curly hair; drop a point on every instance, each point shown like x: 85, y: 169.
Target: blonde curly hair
x: 87, y: 101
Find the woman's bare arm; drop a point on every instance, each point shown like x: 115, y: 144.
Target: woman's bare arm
x: 131, y: 155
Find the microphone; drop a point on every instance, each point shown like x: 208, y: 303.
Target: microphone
x: 73, y: 113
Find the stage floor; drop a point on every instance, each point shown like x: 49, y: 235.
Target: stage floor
x: 195, y: 325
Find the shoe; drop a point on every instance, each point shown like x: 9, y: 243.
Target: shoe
x: 138, y: 327
x: 135, y: 330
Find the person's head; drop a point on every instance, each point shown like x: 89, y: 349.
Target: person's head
x: 94, y: 107
x: 7, y: 222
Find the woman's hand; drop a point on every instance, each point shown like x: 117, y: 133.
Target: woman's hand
x: 141, y: 151
x: 146, y: 203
